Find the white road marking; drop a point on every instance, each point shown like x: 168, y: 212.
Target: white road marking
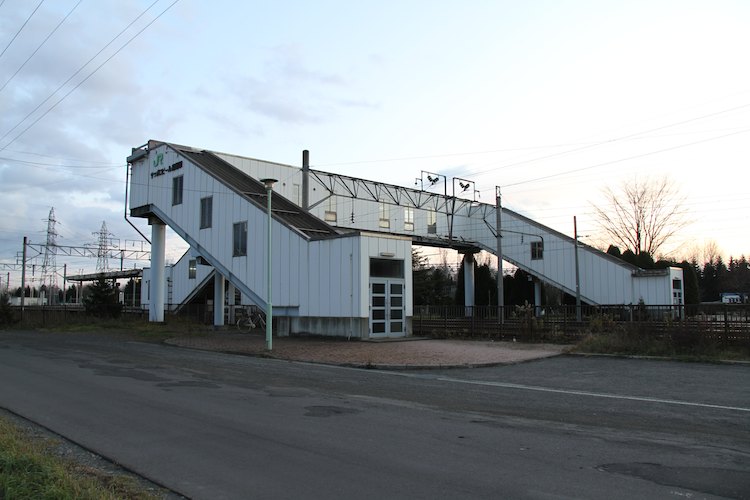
x: 506, y: 385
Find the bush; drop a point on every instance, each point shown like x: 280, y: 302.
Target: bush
x: 103, y: 300
x: 7, y: 317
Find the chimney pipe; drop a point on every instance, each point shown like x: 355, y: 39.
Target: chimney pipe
x: 305, y: 180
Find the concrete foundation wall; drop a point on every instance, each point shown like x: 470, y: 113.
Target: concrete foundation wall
x: 355, y: 328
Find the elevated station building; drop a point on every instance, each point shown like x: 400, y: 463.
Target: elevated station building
x: 341, y: 246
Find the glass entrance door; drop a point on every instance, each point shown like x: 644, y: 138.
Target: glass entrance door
x: 386, y: 307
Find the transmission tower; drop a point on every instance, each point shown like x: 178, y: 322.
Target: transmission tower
x: 104, y: 238
x: 49, y: 266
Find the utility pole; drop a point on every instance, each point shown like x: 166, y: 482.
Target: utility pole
x: 23, y: 278
x: 500, y: 285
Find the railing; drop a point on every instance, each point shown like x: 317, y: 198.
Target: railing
x: 724, y: 323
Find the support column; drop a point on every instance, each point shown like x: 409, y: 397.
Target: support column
x: 219, y: 296
x: 158, y: 247
x: 231, y: 302
x: 537, y: 298
x: 469, y: 283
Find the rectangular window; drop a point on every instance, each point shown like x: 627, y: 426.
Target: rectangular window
x: 206, y: 212
x: 296, y: 195
x: 177, y: 190
x: 432, y: 221
x: 676, y: 284
x: 239, y: 239
x: 408, y: 219
x: 537, y: 250
x: 192, y: 268
x: 385, y: 216
x: 386, y: 268
x: 331, y: 213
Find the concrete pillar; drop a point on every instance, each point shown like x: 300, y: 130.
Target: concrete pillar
x: 469, y: 283
x: 231, y: 302
x: 219, y: 281
x: 158, y: 248
x: 537, y: 298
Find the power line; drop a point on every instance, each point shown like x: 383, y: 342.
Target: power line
x: 42, y: 165
x: 679, y: 146
x: 21, y: 28
x: 81, y: 69
x: 617, y: 139
x: 40, y: 45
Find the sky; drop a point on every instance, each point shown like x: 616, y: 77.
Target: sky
x: 551, y: 101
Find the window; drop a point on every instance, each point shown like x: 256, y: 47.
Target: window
x: 408, y: 219
x: 192, y: 268
x: 386, y: 268
x: 432, y: 221
x: 296, y: 194
x: 177, y: 190
x: 385, y: 216
x: 537, y: 250
x: 206, y: 212
x: 239, y: 239
x: 331, y: 214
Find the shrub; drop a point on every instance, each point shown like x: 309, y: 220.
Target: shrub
x: 103, y: 300
x: 7, y: 317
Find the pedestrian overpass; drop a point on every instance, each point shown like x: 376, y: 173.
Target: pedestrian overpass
x: 336, y: 237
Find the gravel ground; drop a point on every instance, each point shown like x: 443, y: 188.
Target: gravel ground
x: 403, y: 353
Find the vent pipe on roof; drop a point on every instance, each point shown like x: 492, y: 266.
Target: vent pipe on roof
x: 305, y: 180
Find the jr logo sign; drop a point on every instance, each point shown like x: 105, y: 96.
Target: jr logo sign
x: 159, y: 160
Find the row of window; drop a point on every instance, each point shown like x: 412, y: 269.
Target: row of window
x: 384, y: 219
x: 239, y: 229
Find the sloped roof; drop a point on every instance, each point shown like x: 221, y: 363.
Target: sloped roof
x: 255, y: 192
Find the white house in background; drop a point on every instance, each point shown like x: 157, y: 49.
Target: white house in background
x: 341, y: 258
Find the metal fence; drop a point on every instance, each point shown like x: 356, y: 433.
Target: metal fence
x: 724, y: 323
x: 52, y: 315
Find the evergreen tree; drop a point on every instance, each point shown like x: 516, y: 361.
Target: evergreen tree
x: 614, y: 251
x: 690, y: 283
x: 103, y: 300
x: 485, y: 286
x: 6, y: 311
x: 430, y: 285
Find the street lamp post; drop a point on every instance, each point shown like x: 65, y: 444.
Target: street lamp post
x: 578, y: 275
x: 269, y: 306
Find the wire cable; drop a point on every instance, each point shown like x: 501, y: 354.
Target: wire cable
x: 78, y: 71
x: 679, y: 146
x: 40, y: 45
x: 21, y: 28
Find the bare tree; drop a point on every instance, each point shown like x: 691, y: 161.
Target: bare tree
x: 642, y: 215
x: 704, y: 252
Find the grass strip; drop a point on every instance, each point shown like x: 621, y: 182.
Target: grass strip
x: 30, y: 469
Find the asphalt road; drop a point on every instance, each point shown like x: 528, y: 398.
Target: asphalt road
x: 210, y: 425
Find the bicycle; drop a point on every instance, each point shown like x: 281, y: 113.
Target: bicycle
x: 250, y: 319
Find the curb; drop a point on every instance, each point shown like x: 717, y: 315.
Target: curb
x: 656, y: 358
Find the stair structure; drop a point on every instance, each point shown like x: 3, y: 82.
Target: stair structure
x: 341, y: 255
